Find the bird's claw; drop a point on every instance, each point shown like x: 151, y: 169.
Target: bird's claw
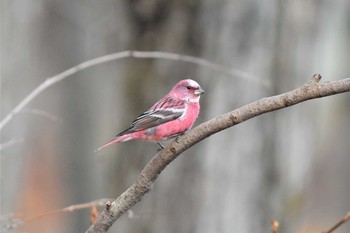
x: 178, y: 137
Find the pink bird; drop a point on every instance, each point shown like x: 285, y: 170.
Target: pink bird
x: 170, y: 117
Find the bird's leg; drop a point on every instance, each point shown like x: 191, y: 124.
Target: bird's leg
x: 161, y: 146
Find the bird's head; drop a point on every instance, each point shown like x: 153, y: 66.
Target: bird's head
x: 187, y: 89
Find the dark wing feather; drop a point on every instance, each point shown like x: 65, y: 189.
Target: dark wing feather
x: 155, y: 117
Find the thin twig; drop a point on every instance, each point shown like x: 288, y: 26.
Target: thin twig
x: 42, y: 113
x: 100, y: 202
x: 310, y: 90
x: 341, y: 222
x: 11, y: 221
x: 126, y: 54
x: 201, y: 62
x: 10, y: 143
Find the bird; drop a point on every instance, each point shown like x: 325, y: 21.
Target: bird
x: 168, y: 118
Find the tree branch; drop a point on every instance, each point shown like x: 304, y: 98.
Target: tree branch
x: 71, y: 208
x: 310, y: 90
x: 341, y: 222
x: 126, y: 54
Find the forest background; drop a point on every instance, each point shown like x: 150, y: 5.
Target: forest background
x: 291, y: 165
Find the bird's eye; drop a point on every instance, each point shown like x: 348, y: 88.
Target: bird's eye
x: 189, y: 87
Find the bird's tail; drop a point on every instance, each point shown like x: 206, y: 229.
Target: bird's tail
x: 123, y: 138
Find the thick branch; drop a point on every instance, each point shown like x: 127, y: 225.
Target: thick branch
x: 310, y: 90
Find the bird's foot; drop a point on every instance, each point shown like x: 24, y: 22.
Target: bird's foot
x: 178, y: 137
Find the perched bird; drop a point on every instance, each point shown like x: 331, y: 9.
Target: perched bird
x: 170, y: 117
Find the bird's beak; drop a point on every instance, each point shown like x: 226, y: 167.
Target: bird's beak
x: 199, y: 91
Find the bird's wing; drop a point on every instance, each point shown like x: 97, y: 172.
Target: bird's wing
x: 163, y: 111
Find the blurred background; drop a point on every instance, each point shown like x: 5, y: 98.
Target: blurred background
x: 291, y: 165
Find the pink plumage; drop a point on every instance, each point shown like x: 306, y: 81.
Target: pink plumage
x: 171, y: 116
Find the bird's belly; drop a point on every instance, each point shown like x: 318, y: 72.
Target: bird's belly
x: 176, y: 127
